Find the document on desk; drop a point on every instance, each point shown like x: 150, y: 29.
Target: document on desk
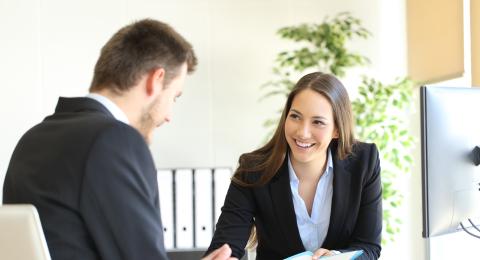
x: 307, y: 255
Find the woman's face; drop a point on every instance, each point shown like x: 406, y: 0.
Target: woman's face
x: 309, y: 127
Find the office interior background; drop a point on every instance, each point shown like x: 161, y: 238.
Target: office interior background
x: 48, y: 49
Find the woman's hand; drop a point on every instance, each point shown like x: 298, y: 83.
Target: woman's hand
x: 322, y: 252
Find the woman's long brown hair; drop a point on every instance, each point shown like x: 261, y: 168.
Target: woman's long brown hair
x: 268, y: 159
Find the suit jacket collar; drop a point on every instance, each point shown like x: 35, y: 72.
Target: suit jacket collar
x: 80, y: 104
x: 283, y: 204
x: 340, y: 200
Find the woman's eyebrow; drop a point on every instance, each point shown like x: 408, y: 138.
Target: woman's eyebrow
x: 319, y: 117
x: 296, y: 111
x: 314, y: 117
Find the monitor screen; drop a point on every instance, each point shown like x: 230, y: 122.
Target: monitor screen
x: 450, y: 130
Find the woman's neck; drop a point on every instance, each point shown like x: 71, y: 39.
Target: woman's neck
x: 310, y: 171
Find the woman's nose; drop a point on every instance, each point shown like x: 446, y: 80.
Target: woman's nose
x: 303, y: 131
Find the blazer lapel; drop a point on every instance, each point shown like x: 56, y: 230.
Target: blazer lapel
x: 340, y: 200
x: 281, y: 195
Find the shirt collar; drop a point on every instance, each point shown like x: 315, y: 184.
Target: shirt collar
x: 293, y: 176
x: 111, y: 107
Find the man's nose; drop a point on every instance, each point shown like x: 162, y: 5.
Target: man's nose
x: 168, y: 118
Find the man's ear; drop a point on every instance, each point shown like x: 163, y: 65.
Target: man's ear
x: 155, y: 79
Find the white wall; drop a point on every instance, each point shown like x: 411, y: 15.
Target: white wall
x: 48, y: 48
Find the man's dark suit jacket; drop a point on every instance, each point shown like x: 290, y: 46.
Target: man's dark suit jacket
x: 355, y: 220
x: 93, y: 181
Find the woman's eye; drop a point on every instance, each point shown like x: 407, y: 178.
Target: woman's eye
x: 318, y: 122
x: 294, y: 116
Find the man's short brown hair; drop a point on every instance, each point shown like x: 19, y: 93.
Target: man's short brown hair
x: 138, y: 48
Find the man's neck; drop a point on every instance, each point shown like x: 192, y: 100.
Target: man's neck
x: 126, y: 102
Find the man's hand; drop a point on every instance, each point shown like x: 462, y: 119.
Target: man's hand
x: 221, y: 253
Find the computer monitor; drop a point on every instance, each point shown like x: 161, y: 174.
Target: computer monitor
x: 450, y: 130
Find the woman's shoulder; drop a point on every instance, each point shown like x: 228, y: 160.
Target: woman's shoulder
x: 249, y: 169
x: 248, y: 177
x: 360, y: 147
x: 364, y: 150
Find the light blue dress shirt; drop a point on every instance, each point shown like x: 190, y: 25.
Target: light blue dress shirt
x: 313, y: 229
x: 110, y: 106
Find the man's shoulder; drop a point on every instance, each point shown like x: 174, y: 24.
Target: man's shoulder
x: 119, y: 134
x: 83, y: 130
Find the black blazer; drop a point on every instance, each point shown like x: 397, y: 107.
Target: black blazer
x: 356, y: 214
x: 93, y: 181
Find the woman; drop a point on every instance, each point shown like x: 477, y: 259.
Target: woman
x: 311, y: 187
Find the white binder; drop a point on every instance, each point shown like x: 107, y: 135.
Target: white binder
x: 203, y: 207
x: 164, y: 178
x: 222, y: 182
x: 184, y: 209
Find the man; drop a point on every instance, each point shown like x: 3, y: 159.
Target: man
x: 87, y: 168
